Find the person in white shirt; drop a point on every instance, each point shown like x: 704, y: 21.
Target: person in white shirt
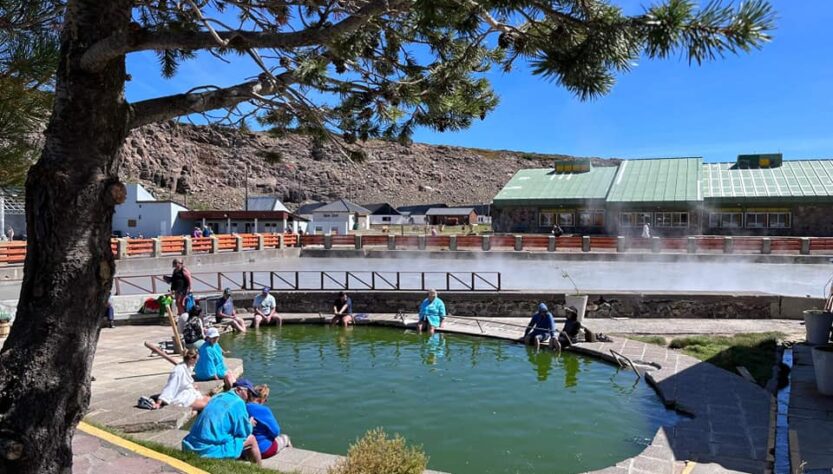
x: 180, y: 390
x: 646, y: 231
x: 264, y: 306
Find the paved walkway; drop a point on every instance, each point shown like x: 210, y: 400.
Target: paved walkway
x: 810, y: 415
x: 91, y: 455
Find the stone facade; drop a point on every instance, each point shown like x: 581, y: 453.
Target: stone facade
x: 523, y: 304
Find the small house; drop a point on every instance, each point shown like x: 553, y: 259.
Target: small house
x: 141, y: 214
x: 451, y: 216
x: 385, y: 214
x: 340, y: 217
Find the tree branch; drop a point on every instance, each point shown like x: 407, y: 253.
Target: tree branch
x: 164, y: 108
x: 121, y: 43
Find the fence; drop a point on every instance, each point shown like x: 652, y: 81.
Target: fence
x: 317, y: 280
x: 12, y: 253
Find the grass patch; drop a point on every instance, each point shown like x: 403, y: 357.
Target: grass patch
x: 657, y: 340
x: 756, y: 351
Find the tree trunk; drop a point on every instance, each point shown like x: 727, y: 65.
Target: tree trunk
x: 70, y: 196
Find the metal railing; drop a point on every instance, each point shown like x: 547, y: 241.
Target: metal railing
x: 317, y: 280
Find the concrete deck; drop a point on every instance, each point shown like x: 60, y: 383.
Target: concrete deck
x: 810, y: 415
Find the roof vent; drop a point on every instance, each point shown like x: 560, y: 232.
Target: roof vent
x: 769, y: 160
x: 577, y: 165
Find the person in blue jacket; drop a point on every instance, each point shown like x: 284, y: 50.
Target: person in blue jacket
x: 223, y: 429
x: 267, y: 431
x: 541, y: 327
x: 431, y: 313
x: 211, y: 364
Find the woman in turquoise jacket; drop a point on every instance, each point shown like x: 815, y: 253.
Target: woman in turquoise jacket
x: 431, y: 312
x: 211, y: 364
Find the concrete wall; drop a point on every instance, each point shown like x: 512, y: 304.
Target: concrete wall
x: 523, y: 304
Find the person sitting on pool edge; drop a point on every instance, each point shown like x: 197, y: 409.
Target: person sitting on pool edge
x: 267, y: 431
x: 342, y: 310
x: 225, y: 310
x: 264, y: 309
x: 541, y: 327
x: 223, y: 430
x: 431, y: 313
x: 211, y: 364
x: 571, y: 327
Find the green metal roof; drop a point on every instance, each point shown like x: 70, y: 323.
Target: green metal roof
x: 794, y: 178
x: 542, y: 186
x: 658, y: 180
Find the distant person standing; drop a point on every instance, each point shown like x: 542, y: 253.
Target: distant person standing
x: 10, y: 233
x: 646, y: 231
x: 206, y: 231
x: 557, y: 230
x: 197, y: 232
x: 431, y: 313
x: 180, y: 281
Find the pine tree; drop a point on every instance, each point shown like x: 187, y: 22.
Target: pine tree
x: 28, y: 57
x: 343, y: 71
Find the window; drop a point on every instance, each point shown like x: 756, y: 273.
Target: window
x: 318, y: 229
x: 725, y: 220
x: 386, y: 219
x: 671, y: 219
x: 779, y: 220
x: 591, y: 218
x: 545, y: 219
x: 131, y: 223
x: 755, y: 220
x: 565, y: 219
x: 334, y: 230
x: 634, y: 219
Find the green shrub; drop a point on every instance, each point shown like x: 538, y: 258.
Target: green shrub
x: 375, y: 453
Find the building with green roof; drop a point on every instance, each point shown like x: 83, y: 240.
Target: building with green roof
x: 756, y: 195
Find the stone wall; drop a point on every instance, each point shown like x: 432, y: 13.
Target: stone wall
x: 523, y: 304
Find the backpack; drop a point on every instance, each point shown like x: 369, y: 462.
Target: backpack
x: 189, y: 302
x: 191, y: 331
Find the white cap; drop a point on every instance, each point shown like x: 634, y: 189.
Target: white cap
x: 212, y: 333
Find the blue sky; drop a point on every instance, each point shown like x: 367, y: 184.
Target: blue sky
x: 778, y: 99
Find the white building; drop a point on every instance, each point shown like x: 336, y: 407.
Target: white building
x: 142, y: 215
x: 340, y: 217
x: 385, y: 214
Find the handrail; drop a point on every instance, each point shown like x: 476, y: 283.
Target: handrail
x: 617, y: 356
x: 295, y: 280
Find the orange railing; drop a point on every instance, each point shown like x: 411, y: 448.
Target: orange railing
x: 15, y: 252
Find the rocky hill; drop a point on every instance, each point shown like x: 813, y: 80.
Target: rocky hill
x: 207, y: 168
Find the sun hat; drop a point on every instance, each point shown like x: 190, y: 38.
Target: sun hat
x: 265, y: 289
x: 542, y: 307
x: 211, y: 333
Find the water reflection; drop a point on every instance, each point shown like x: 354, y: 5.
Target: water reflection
x: 541, y: 361
x: 434, y: 349
x: 571, y: 370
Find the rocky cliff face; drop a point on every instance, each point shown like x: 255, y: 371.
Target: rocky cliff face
x: 208, y: 167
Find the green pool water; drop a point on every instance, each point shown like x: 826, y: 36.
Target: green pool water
x: 476, y: 405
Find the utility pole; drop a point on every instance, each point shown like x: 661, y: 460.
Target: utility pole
x: 247, y: 186
x: 3, y: 214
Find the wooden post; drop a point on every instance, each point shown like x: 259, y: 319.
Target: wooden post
x: 172, y: 320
